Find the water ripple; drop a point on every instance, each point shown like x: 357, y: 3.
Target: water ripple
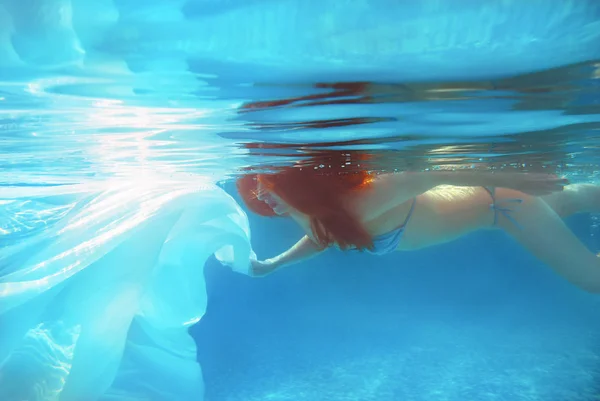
x: 110, y: 90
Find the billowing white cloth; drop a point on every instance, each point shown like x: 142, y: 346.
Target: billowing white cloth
x: 97, y: 304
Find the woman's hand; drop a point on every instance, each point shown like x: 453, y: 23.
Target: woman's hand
x: 536, y: 184
x: 261, y: 268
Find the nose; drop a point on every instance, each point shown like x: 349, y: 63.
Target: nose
x: 260, y: 191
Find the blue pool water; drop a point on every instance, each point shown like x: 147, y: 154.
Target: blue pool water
x: 124, y: 248
x: 475, y: 319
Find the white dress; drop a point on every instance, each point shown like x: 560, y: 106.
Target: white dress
x: 95, y: 304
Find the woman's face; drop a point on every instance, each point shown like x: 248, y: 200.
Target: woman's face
x: 275, y: 202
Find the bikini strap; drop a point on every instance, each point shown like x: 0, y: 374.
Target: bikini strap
x: 497, y: 207
x: 410, y: 212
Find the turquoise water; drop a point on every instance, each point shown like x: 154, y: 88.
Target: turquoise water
x: 112, y: 112
x: 475, y: 319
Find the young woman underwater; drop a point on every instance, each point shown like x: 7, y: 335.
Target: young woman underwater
x: 382, y: 213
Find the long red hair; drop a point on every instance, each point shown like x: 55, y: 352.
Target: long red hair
x: 316, y: 189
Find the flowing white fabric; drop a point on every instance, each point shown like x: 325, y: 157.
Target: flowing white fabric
x: 96, y: 303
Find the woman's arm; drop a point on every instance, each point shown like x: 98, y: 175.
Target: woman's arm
x: 304, y: 249
x: 536, y: 184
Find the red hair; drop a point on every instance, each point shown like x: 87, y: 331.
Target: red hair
x: 317, y: 190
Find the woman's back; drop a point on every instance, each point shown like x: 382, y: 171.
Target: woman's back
x: 435, y: 216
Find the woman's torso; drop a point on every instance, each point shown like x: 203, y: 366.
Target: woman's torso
x: 440, y: 215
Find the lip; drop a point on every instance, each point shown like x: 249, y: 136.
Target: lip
x: 277, y: 207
